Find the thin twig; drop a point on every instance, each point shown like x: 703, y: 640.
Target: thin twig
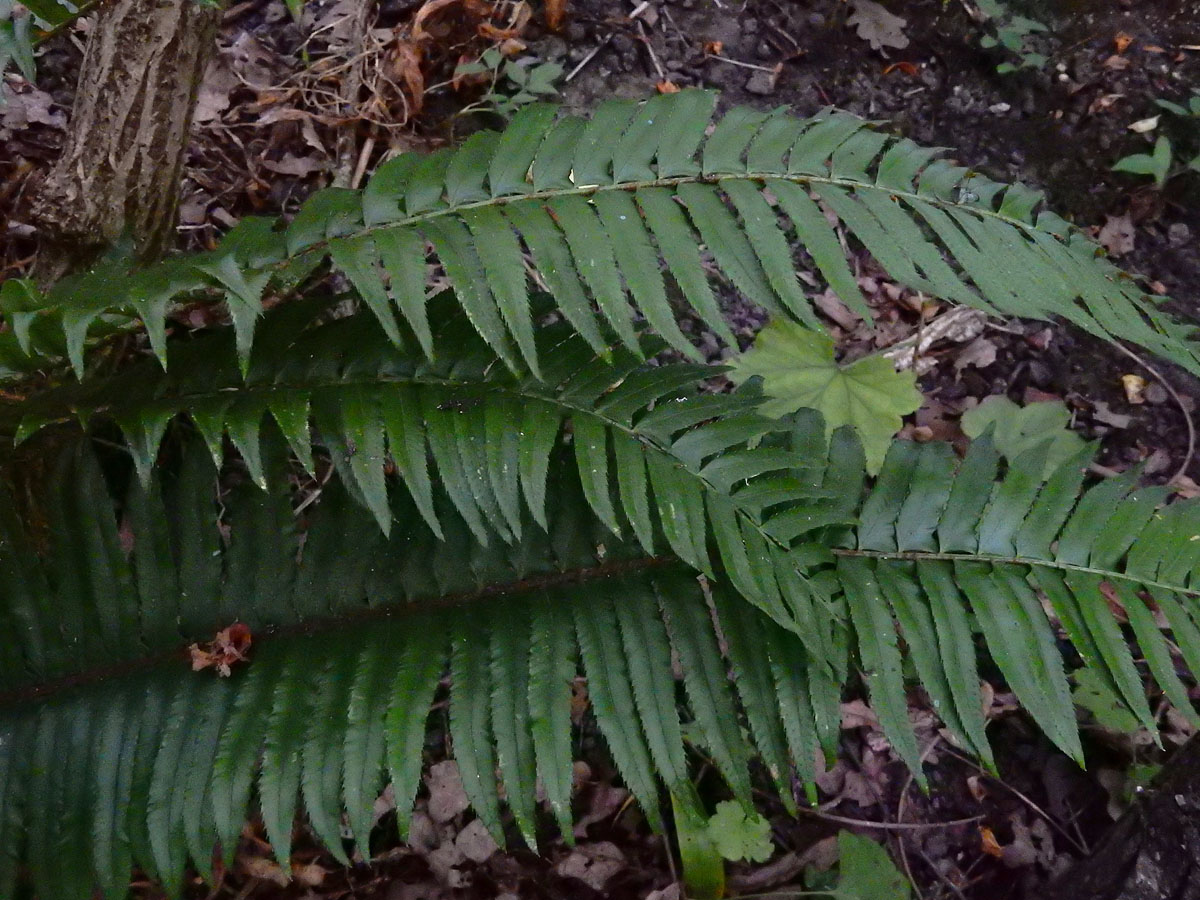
x: 942, y: 877
x: 1187, y: 416
x: 1053, y: 823
x: 662, y: 76
x: 587, y: 59
x: 887, y: 826
x: 911, y: 777
x: 738, y: 62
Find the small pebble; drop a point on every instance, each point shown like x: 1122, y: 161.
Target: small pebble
x: 1179, y: 235
x: 761, y: 83
x: 1155, y: 393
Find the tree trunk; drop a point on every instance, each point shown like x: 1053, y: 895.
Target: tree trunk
x: 1153, y: 851
x: 120, y: 170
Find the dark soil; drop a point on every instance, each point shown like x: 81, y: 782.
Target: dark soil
x: 1047, y: 127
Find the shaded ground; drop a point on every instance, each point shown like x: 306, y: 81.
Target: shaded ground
x: 277, y: 121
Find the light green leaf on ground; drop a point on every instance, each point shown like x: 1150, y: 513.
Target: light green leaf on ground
x: 1021, y: 428
x: 737, y: 835
x: 867, y: 872
x: 799, y: 372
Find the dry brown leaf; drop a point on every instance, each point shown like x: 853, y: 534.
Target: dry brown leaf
x: 604, y: 801
x: 555, y: 12
x: 593, y: 864
x: 714, y: 48
x: 988, y: 843
x: 1117, y: 235
x: 428, y: 9
x: 1103, y: 103
x: 832, y: 306
x: 980, y: 353
x: 228, y: 648
x: 877, y: 26
x: 1185, y: 487
x: 296, y: 166
x: 308, y: 875
x: 404, y: 58
x: 446, y: 795
x: 667, y: 87
x: 264, y: 869
x: 1113, y: 599
x: 857, y: 714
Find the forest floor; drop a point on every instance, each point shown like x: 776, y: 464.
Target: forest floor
x: 288, y: 107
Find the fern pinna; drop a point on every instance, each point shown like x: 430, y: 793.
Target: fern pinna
x: 514, y: 488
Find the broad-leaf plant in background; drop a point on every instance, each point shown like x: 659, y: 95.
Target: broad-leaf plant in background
x: 516, y: 481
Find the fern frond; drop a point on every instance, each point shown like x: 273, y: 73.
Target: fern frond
x: 602, y: 207
x: 939, y: 539
x: 129, y: 758
x: 652, y: 453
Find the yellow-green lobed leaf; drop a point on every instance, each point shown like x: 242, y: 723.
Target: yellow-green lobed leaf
x: 798, y: 371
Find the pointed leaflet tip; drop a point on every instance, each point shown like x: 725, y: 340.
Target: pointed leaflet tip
x: 75, y: 324
x: 209, y: 418
x: 143, y: 435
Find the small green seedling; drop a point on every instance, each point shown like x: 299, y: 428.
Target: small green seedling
x: 512, y: 84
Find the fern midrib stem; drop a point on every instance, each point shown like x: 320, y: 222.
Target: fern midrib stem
x: 480, y: 387
x: 587, y: 190
x: 517, y: 393
x: 1032, y: 562
x: 531, y: 585
x: 672, y: 181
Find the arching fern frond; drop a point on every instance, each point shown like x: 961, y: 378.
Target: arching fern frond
x: 117, y: 750
x: 944, y: 548
x: 600, y: 208
x: 647, y: 445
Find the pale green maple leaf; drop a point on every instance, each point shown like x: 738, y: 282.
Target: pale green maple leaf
x: 799, y: 372
x: 1019, y: 429
x: 739, y: 836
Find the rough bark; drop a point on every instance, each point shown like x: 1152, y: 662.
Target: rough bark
x: 120, y: 170
x: 1153, y: 851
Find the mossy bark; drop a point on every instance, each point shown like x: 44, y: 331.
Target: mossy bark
x: 119, y: 173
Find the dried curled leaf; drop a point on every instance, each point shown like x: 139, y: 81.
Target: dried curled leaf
x: 229, y: 647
